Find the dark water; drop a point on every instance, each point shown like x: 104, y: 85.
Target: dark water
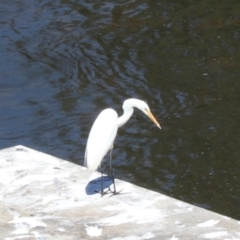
x: 61, y: 62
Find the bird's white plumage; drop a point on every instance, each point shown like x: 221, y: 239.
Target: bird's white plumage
x: 101, y: 138
x: 104, y: 130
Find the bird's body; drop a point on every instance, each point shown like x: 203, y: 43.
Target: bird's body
x: 104, y: 131
x: 101, y: 138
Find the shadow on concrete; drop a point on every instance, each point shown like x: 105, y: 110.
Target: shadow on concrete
x: 95, y: 186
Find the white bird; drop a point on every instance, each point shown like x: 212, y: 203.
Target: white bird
x: 104, y: 131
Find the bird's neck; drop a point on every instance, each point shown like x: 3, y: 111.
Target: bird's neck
x: 125, y: 117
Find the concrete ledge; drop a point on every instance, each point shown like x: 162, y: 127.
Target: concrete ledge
x: 45, y: 198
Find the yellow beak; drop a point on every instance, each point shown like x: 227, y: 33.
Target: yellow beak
x: 150, y: 115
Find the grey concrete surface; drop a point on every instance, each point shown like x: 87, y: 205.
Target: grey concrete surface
x: 44, y: 198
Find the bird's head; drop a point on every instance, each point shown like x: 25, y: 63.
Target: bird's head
x: 142, y: 106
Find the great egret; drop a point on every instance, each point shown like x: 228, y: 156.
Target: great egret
x: 103, y: 133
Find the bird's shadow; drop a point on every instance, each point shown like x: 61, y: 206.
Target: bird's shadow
x: 95, y: 186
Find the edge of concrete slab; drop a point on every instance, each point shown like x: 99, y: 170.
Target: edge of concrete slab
x: 44, y: 197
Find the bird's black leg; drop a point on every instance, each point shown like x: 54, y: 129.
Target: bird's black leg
x: 102, y: 192
x: 114, y: 192
x: 102, y: 184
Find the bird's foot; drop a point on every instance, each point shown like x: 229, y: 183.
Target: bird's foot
x: 115, y: 192
x: 103, y: 192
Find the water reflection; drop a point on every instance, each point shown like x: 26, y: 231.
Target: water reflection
x: 62, y: 62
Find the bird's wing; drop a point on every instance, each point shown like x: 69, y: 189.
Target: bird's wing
x: 101, y: 138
